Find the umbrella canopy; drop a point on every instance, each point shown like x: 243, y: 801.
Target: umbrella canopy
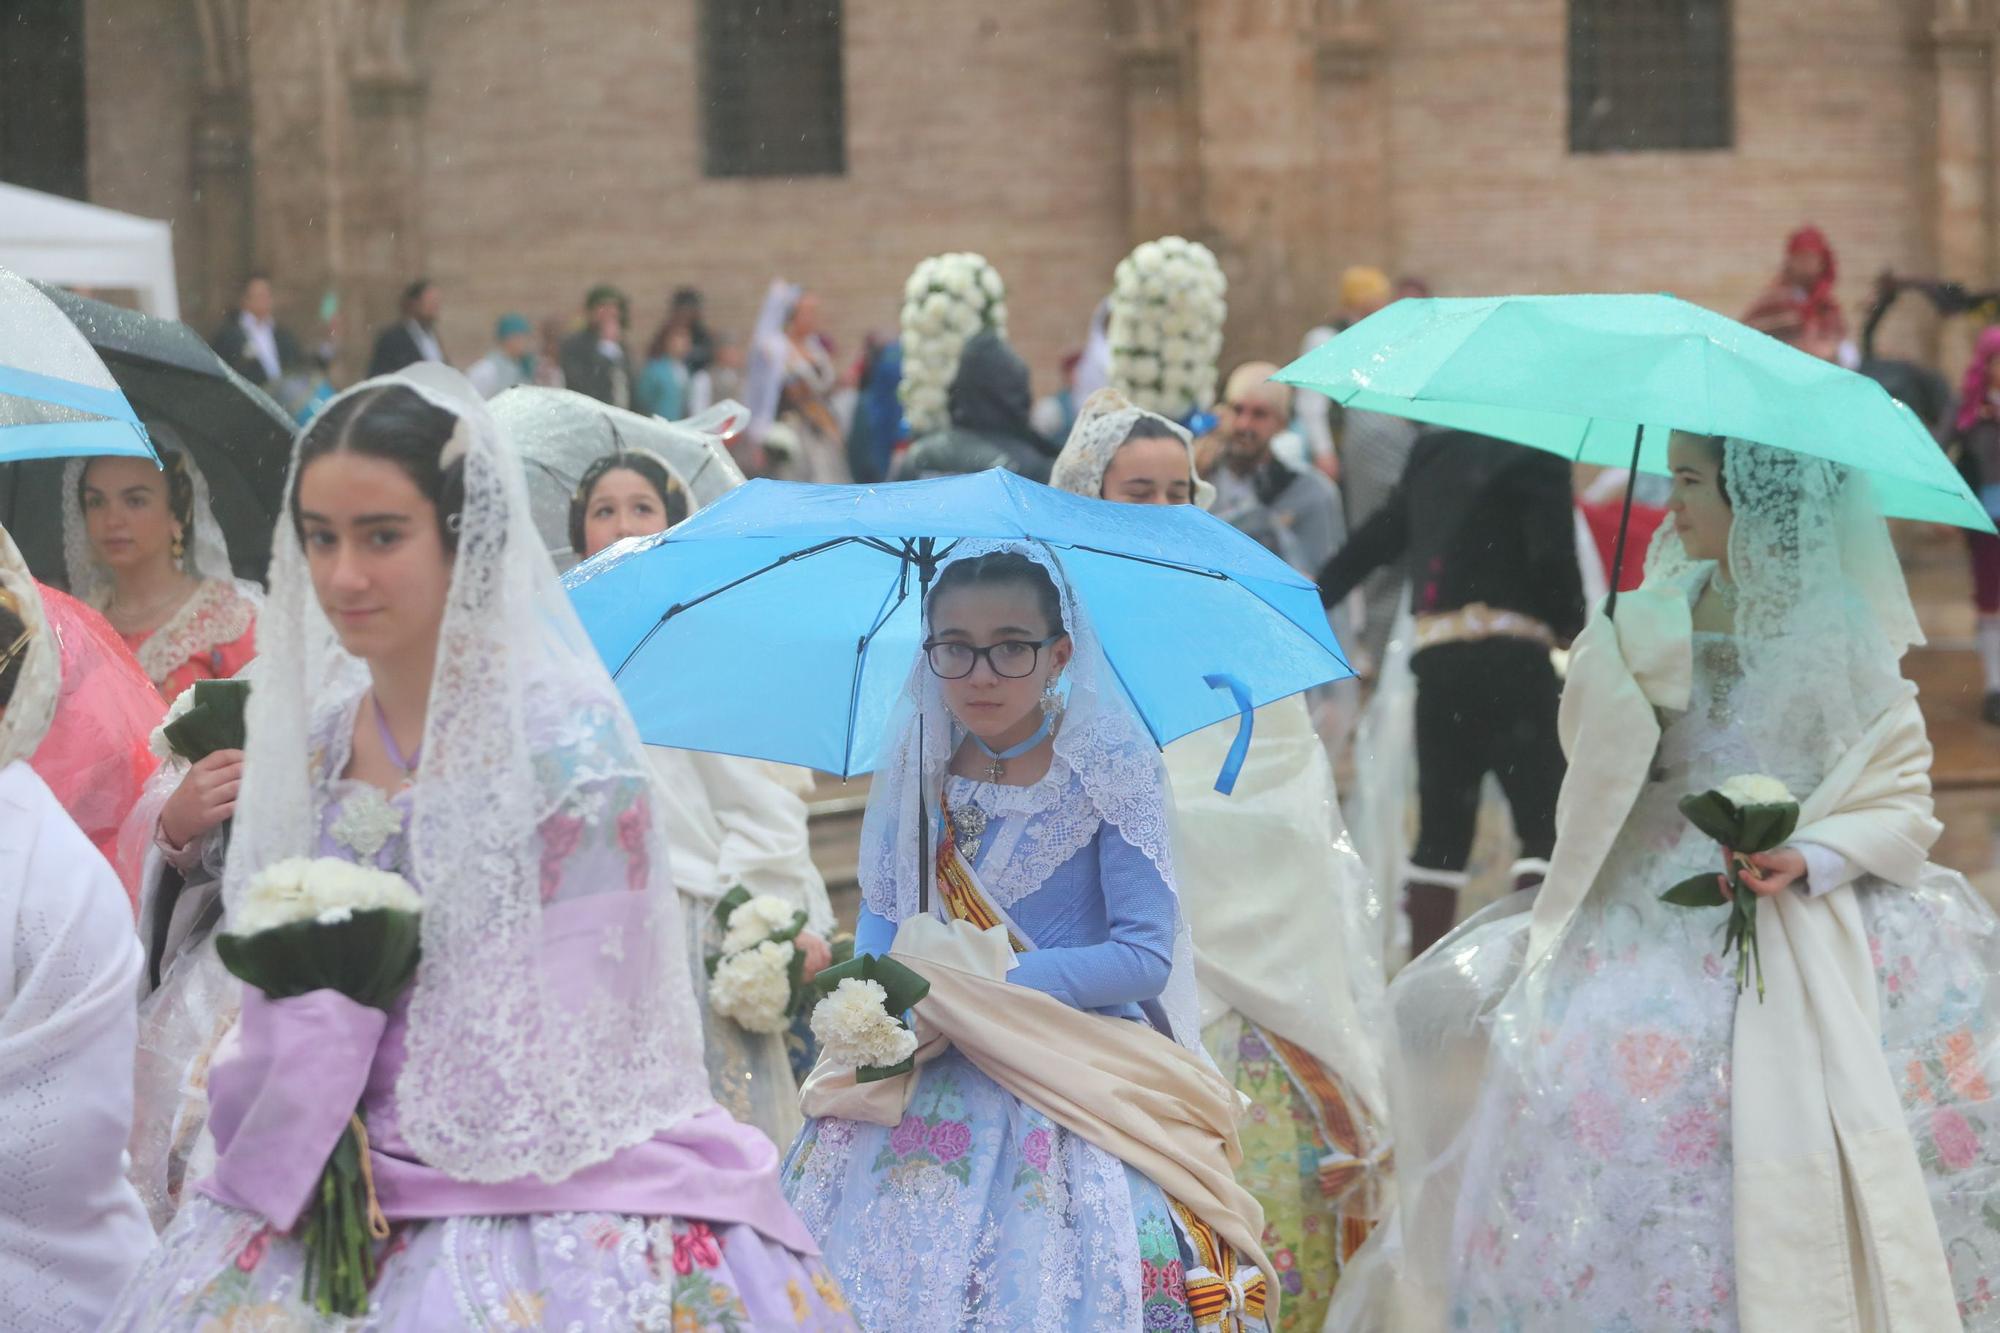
x: 1582, y: 376
x: 56, y: 397
x: 237, y: 436
x: 560, y: 433
x: 781, y: 621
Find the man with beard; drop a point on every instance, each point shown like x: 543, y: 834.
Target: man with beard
x: 1293, y: 510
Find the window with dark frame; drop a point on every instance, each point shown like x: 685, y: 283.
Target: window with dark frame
x: 771, y: 88
x: 1650, y: 76
x: 42, y: 133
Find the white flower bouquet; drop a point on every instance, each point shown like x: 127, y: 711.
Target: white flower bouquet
x: 1748, y: 814
x: 1168, y: 303
x: 757, y: 979
x: 858, y: 1019
x: 325, y: 924
x: 948, y: 300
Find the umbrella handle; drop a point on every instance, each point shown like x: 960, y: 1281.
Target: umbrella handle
x: 1232, y: 766
x: 1624, y: 523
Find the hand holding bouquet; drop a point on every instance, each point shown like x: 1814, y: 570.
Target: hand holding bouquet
x: 758, y: 979
x: 307, y: 925
x: 1749, y: 816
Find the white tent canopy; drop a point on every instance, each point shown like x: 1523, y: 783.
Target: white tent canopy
x: 80, y: 245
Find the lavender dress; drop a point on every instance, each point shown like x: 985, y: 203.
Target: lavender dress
x: 687, y: 1231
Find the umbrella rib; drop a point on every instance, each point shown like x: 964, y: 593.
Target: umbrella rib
x: 861, y: 646
x: 1152, y: 560
x: 679, y: 607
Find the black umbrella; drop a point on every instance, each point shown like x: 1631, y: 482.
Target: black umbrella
x: 238, y: 437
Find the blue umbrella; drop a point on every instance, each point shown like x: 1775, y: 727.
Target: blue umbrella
x: 781, y: 621
x: 56, y: 397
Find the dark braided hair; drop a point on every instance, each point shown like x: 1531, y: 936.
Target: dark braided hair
x: 400, y: 426
x: 14, y: 637
x: 1002, y: 569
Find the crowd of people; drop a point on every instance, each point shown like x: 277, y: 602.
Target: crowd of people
x: 1169, y: 1076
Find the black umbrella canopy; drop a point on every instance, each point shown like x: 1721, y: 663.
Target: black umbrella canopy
x: 238, y: 437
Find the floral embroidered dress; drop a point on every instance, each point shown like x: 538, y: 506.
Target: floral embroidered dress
x: 210, y: 637
x: 1600, y: 1197
x: 976, y: 1211
x: 511, y: 1255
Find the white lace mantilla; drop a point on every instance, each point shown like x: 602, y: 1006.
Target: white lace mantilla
x: 215, y: 614
x: 1034, y: 830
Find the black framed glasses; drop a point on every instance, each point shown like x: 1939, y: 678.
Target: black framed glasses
x: 1010, y: 659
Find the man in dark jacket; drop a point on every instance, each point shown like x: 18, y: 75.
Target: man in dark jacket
x: 252, y: 341
x: 594, y: 360
x: 412, y: 338
x: 1484, y: 530
x: 989, y: 404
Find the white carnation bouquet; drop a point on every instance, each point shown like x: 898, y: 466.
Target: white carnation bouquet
x: 1168, y: 303
x: 859, y: 1017
x: 1749, y: 814
x: 757, y: 979
x: 948, y: 301
x: 305, y: 925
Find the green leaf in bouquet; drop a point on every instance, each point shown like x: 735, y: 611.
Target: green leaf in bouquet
x: 726, y: 905
x: 213, y: 722
x: 842, y: 948
x: 1711, y: 812
x: 369, y: 957
x: 1695, y: 891
x: 1763, y: 827
x: 876, y: 1073
x: 902, y: 986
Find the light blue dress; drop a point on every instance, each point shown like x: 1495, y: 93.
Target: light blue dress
x: 977, y: 1211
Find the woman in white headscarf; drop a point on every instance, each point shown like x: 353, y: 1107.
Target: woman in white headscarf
x: 790, y: 384
x: 71, y: 1230
x: 1284, y: 916
x: 1065, y: 1162
x: 542, y: 1143
x: 141, y: 545
x: 1595, y: 1129
x: 731, y: 822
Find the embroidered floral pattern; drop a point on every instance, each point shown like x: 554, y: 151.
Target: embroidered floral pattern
x: 366, y: 821
x: 214, y: 615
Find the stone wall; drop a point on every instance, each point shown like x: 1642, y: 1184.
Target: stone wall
x: 520, y: 152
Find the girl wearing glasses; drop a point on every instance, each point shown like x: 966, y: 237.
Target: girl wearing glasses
x: 963, y: 1199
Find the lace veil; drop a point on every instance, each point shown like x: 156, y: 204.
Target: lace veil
x: 1822, y: 616
x: 33, y: 706
x: 546, y: 1033
x: 1106, y: 769
x: 207, y: 552
x: 1106, y: 419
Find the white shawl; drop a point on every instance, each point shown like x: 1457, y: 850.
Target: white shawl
x: 1834, y: 1223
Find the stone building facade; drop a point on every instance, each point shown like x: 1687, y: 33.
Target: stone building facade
x: 520, y: 150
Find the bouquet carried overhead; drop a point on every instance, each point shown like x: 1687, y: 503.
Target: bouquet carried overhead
x: 948, y: 301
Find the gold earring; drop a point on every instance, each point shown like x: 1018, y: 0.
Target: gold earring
x: 180, y: 548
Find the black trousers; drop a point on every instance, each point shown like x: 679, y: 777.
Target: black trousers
x: 1485, y: 706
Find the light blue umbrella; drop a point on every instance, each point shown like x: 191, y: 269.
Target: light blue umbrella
x: 56, y: 397
x: 781, y: 621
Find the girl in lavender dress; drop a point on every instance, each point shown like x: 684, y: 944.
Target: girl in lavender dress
x: 542, y: 1139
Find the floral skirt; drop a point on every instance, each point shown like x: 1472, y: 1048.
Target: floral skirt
x: 1305, y: 1232
x: 977, y: 1212
x: 1597, y: 1188
x: 219, y: 1270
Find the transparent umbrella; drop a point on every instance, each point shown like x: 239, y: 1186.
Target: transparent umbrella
x: 56, y: 397
x: 560, y: 433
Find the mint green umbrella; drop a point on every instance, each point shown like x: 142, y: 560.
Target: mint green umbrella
x: 1604, y: 379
